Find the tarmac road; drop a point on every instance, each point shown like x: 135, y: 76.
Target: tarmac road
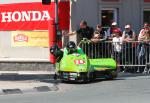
x: 126, y: 89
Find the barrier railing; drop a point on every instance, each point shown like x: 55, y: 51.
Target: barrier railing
x: 127, y: 54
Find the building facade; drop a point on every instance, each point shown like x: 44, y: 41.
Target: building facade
x: 135, y: 12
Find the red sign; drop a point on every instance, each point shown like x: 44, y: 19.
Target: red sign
x: 20, y: 38
x: 32, y: 16
x: 146, y: 0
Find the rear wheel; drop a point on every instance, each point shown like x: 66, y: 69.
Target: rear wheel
x: 92, y: 76
x: 111, y: 75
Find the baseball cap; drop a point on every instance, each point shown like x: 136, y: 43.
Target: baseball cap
x: 127, y: 26
x: 116, y: 31
x: 114, y: 24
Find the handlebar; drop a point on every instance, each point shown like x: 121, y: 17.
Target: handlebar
x: 84, y: 40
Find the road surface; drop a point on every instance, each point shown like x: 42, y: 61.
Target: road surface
x: 134, y: 89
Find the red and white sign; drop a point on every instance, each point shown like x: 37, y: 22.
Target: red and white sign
x: 32, y: 16
x: 77, y: 62
x: 20, y: 38
x: 24, y: 16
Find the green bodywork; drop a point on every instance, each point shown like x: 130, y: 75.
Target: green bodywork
x: 103, y: 64
x: 68, y: 64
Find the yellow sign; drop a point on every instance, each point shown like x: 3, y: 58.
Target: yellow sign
x: 30, y: 38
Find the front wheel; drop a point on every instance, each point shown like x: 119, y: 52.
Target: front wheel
x: 55, y: 76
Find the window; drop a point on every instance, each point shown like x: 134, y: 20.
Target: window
x: 108, y: 15
x: 146, y: 15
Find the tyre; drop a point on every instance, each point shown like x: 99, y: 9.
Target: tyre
x: 92, y: 77
x: 55, y: 76
x: 111, y: 75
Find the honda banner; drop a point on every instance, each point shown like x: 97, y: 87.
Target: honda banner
x: 32, y: 16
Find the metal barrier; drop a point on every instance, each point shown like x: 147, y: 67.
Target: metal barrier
x: 128, y: 54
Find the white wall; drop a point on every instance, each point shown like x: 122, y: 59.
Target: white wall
x: 83, y: 10
x: 20, y: 53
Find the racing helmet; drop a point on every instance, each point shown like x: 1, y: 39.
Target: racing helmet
x: 71, y: 47
x: 54, y: 50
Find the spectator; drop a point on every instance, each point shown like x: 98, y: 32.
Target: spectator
x: 96, y: 37
x: 129, y: 47
x: 142, y: 31
x: 117, y: 46
x: 97, y: 47
x: 117, y: 41
x: 128, y: 34
x: 99, y: 34
x: 110, y: 35
x: 143, y: 47
x: 110, y: 30
x: 83, y: 32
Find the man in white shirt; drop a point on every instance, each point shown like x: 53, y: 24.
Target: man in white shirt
x: 129, y: 36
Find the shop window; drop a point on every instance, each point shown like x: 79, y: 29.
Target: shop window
x: 146, y: 15
x: 108, y: 15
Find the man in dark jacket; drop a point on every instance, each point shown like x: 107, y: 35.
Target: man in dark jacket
x: 83, y: 32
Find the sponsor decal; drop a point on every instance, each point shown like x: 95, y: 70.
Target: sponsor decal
x: 78, y: 62
x: 20, y: 38
x: 76, y: 54
x: 30, y: 38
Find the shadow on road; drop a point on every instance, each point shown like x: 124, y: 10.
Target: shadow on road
x: 128, y: 75
x: 49, y: 78
x: 121, y: 76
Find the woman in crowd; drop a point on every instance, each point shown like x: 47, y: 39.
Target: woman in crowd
x: 143, y: 47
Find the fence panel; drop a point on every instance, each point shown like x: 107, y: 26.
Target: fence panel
x: 127, y: 54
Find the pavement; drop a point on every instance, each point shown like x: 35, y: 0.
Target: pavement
x: 20, y: 82
x: 26, y: 75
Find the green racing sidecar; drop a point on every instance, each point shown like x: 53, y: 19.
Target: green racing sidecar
x: 78, y: 67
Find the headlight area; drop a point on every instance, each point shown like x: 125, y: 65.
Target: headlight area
x: 73, y: 76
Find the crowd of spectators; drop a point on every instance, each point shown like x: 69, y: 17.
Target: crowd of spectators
x: 126, y: 47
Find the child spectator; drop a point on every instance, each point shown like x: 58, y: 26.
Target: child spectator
x: 117, y: 45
